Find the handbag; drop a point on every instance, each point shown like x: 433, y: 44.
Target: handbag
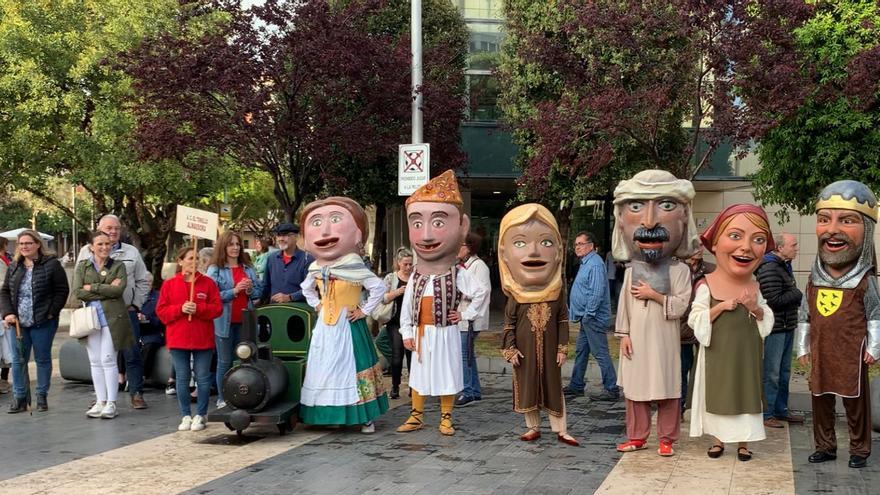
x: 84, y: 322
x: 383, y: 312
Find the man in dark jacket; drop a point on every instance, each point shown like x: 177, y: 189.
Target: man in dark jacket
x: 778, y: 287
x: 689, y: 344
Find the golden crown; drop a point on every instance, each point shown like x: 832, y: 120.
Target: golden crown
x: 838, y: 202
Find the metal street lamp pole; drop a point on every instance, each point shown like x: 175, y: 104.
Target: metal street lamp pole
x: 416, y: 45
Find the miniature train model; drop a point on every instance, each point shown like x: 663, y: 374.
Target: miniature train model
x: 264, y: 386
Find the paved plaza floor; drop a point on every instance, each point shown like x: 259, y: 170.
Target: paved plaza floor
x: 140, y: 452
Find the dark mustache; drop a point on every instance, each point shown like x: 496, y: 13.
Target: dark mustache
x: 655, y: 234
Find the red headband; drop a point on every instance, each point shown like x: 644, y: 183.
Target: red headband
x: 708, y: 236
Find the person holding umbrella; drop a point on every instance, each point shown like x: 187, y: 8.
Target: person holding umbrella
x: 31, y: 298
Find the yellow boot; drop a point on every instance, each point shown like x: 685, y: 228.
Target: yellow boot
x: 446, y: 404
x: 414, y: 422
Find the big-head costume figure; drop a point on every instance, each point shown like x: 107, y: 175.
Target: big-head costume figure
x: 839, y: 324
x: 653, y: 223
x: 535, y: 340
x: 343, y: 382
x: 428, y: 315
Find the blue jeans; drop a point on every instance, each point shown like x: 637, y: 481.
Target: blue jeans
x: 471, y: 376
x: 134, y: 362
x: 777, y: 372
x: 595, y: 342
x: 39, y: 338
x: 687, y: 361
x: 202, y: 366
x: 226, y: 354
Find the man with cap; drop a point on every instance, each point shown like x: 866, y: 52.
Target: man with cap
x: 286, y: 268
x: 653, y: 223
x: 839, y: 320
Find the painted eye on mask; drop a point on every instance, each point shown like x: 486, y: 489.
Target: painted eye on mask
x: 519, y: 244
x: 636, y: 206
x: 667, y: 205
x: 417, y: 224
x: 547, y: 243
x: 335, y: 218
x: 438, y: 224
x: 316, y: 222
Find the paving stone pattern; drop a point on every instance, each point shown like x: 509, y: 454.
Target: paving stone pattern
x: 484, y: 456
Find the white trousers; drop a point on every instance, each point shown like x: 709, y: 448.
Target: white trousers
x: 102, y: 358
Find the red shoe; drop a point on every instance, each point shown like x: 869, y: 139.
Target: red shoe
x: 665, y: 449
x: 632, y: 446
x: 568, y: 440
x: 530, y: 436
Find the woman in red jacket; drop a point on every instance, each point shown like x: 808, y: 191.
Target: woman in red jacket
x: 189, y: 333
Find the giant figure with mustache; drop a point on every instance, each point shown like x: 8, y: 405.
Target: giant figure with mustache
x: 839, y: 328
x: 429, y: 313
x: 653, y: 223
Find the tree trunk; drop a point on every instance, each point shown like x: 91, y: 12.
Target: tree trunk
x: 379, y: 259
x: 563, y: 217
x: 149, y: 230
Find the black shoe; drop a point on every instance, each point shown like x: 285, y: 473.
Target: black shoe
x: 395, y: 393
x: 17, y: 405
x: 606, y: 396
x: 819, y: 456
x: 857, y: 461
x: 42, y: 403
x: 569, y: 392
x: 463, y: 401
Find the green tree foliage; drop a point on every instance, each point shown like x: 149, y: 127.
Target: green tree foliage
x: 835, y: 134
x: 63, y: 114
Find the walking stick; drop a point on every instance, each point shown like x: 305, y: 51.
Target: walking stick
x: 24, y: 365
x: 192, y: 284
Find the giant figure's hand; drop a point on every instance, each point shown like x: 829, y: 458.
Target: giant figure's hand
x: 626, y: 347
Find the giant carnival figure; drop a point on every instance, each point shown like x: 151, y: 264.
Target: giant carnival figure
x: 535, y: 339
x: 653, y: 223
x: 429, y: 311
x: 343, y: 382
x: 839, y: 323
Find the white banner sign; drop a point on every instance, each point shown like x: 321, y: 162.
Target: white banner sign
x: 414, y: 167
x: 197, y: 223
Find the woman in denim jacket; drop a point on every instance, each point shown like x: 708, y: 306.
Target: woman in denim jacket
x: 239, y: 286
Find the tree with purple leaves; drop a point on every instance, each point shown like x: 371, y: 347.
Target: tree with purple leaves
x: 599, y: 89
x: 314, y: 92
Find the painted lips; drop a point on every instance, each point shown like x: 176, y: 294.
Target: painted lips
x: 743, y: 260
x: 427, y: 246
x: 834, y: 245
x: 326, y: 242
x: 535, y: 264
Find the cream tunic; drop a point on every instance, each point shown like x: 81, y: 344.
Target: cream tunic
x: 654, y: 372
x: 437, y: 368
x: 727, y: 428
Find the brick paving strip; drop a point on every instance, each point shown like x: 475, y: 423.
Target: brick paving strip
x: 692, y: 471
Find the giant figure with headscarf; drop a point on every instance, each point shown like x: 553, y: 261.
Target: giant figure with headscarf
x: 839, y: 324
x: 653, y: 224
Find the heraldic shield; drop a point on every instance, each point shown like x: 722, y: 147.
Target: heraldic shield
x: 828, y: 301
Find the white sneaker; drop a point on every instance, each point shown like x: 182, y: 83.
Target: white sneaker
x: 95, y: 411
x: 198, y: 423
x: 185, y: 423
x: 221, y: 404
x: 171, y: 389
x: 109, y: 411
x: 368, y: 428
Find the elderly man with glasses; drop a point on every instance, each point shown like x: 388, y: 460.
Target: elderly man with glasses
x: 590, y: 305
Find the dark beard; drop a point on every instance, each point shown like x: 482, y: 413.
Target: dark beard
x: 656, y: 234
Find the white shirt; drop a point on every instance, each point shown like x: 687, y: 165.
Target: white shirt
x: 464, y: 281
x: 480, y: 273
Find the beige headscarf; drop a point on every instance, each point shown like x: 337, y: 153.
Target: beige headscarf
x: 652, y: 184
x: 518, y: 216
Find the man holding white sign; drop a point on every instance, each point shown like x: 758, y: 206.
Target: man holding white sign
x: 136, y: 290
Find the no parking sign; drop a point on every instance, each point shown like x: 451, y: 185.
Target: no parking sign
x: 414, y: 167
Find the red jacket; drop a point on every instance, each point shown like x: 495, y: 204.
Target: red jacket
x: 180, y: 333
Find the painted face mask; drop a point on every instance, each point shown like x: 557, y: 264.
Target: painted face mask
x: 436, y: 224
x: 530, y: 252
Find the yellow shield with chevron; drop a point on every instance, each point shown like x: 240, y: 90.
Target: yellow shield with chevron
x: 828, y: 301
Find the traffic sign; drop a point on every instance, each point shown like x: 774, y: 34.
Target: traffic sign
x: 414, y: 167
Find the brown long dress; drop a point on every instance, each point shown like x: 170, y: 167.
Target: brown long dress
x: 537, y: 330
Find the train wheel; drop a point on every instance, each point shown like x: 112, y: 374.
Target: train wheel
x: 229, y: 426
x: 238, y: 432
